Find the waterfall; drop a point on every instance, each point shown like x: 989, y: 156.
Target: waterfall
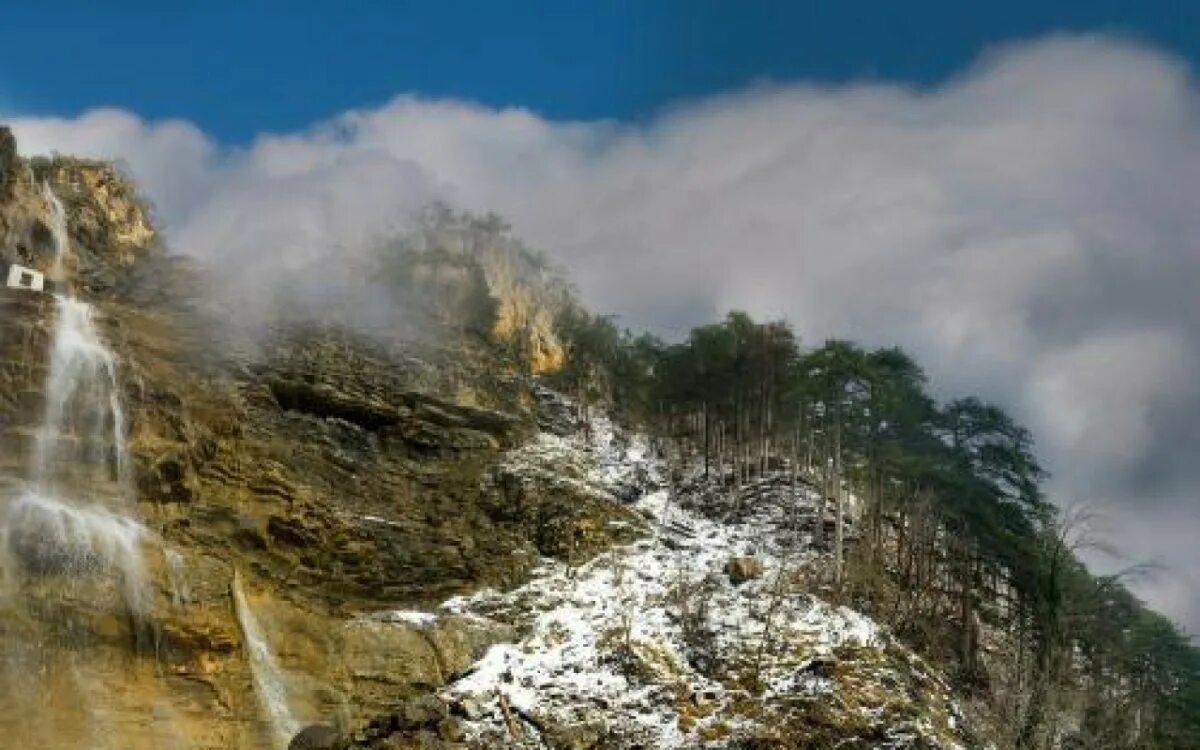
x: 50, y: 534
x: 83, y: 427
x: 73, y: 556
x: 181, y: 594
x: 268, y: 678
x: 76, y: 516
x: 58, y: 230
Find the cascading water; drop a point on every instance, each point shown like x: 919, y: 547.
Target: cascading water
x: 76, y: 515
x: 268, y: 678
x: 58, y: 229
x: 84, y: 424
x: 72, y: 547
x: 181, y: 594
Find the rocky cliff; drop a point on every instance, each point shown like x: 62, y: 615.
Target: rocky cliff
x: 319, y: 515
x: 336, y: 475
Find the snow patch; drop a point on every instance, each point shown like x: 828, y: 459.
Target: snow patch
x: 653, y: 642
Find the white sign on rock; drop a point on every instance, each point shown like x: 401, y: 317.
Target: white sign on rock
x: 20, y: 277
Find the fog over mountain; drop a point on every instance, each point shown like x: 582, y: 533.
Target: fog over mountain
x: 1028, y: 229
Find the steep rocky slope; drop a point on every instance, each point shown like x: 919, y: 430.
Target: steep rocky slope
x: 332, y: 474
x: 327, y: 523
x: 704, y: 632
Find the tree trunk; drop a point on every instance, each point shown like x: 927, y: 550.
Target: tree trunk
x: 839, y: 529
x: 968, y: 643
x: 721, y: 453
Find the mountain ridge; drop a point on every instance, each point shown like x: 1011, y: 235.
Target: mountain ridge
x: 360, y: 485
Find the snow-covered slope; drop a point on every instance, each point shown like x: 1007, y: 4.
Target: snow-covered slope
x: 702, y: 633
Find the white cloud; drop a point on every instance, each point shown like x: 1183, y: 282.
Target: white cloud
x: 1028, y: 229
x: 173, y: 160
x: 1098, y: 397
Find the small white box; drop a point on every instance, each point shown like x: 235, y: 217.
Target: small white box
x: 20, y: 277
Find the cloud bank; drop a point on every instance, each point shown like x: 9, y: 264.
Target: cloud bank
x: 1029, y: 229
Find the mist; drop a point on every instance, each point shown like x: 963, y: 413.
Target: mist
x: 1027, y: 229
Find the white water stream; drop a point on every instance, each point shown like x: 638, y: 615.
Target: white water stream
x: 76, y: 515
x: 84, y: 422
x: 58, y: 229
x: 268, y: 677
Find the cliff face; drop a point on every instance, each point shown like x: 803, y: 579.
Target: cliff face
x: 316, y: 476
x: 317, y: 525
x: 453, y: 259
x: 110, y: 223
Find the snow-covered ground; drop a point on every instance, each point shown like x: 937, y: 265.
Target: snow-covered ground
x: 655, y: 644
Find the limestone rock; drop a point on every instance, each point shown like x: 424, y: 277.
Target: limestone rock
x: 340, y: 474
x: 461, y: 641
x: 382, y: 657
x: 468, y: 265
x: 742, y: 569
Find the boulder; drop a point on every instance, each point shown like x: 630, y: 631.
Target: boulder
x: 423, y: 721
x: 317, y: 737
x: 742, y: 569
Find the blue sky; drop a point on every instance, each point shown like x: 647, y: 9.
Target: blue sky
x: 237, y: 69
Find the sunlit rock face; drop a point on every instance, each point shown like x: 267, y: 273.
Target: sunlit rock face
x: 456, y: 254
x: 524, y: 314
x: 110, y: 228
x: 147, y: 463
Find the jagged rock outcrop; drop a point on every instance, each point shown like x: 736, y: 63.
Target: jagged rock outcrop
x: 424, y: 723
x: 472, y: 273
x: 109, y: 228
